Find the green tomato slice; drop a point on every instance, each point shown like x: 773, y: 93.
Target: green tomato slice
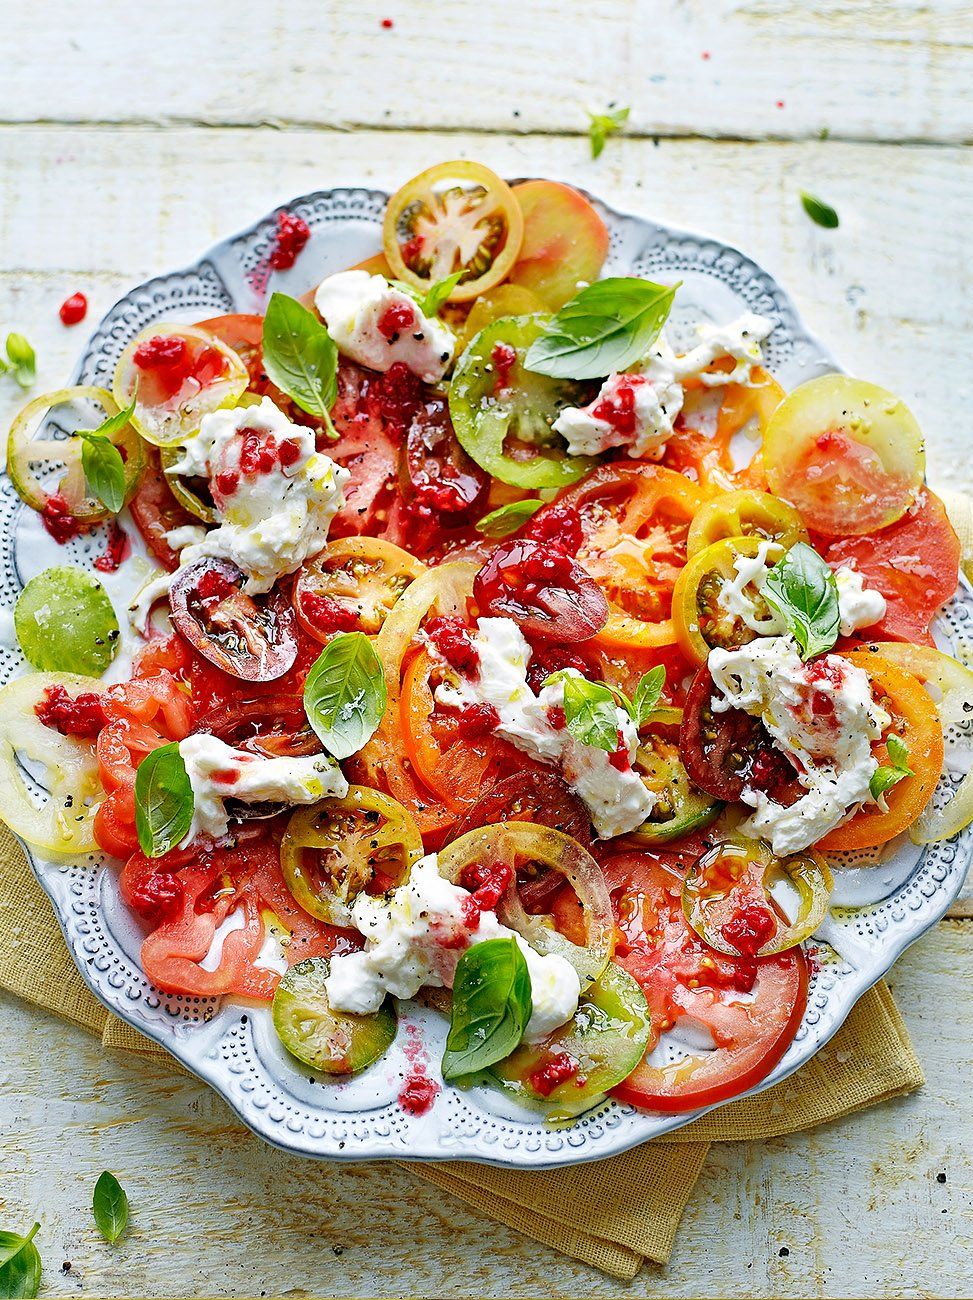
x: 170, y: 404
x: 65, y: 622
x: 25, y: 452
x: 679, y: 806
x: 193, y: 493
x: 602, y: 1044
x: 728, y: 898
x: 503, y: 414
x: 334, y: 1042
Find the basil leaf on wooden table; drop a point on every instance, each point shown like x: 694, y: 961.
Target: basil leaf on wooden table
x: 801, y: 588
x: 822, y: 214
x: 163, y: 801
x: 491, y: 1007
x: 300, y: 357
x: 602, y: 125
x: 109, y: 1205
x: 20, y: 1265
x: 507, y: 519
x: 607, y: 327
x: 20, y: 361
x: 345, y: 694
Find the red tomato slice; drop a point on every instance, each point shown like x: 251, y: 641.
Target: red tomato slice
x: 751, y: 1009
x: 914, y: 563
x: 546, y: 592
x: 245, y: 335
x: 156, y: 511
x: 565, y: 241
x: 367, y: 449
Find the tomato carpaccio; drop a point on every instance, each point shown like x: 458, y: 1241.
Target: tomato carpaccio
x: 507, y: 609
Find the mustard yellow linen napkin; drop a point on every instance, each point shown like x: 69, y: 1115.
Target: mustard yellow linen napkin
x: 614, y: 1214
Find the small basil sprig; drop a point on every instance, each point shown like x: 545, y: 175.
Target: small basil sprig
x: 491, y: 1007
x: 163, y: 801
x: 507, y: 519
x: 801, y: 588
x: 20, y: 361
x: 884, y: 777
x: 602, y: 125
x: 20, y: 1265
x: 300, y: 357
x: 345, y: 694
x: 104, y: 469
x: 822, y: 214
x: 591, y: 708
x: 437, y: 296
x: 607, y: 327
x: 109, y: 1205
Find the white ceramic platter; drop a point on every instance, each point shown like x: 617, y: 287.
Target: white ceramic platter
x: 233, y: 1047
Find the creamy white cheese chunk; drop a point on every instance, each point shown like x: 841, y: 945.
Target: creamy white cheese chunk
x: 859, y: 606
x: 218, y: 772
x: 376, y: 324
x: 616, y: 798
x: 637, y: 410
x: 821, y: 715
x: 414, y: 939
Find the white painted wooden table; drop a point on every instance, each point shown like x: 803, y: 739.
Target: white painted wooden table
x: 131, y: 138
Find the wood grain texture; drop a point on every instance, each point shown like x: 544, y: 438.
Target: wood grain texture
x: 743, y: 68
x: 855, y: 1206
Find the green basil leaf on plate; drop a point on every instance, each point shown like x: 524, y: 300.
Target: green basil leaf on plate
x: 607, y: 327
x: 801, y: 588
x: 300, y: 357
x: 507, y: 519
x: 647, y: 694
x: 163, y: 801
x: 110, y: 1207
x: 590, y: 711
x: 345, y: 694
x: 491, y: 1007
x: 436, y: 297
x: 885, y: 776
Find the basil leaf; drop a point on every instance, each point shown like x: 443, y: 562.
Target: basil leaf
x: 300, y: 357
x: 590, y: 712
x: 822, y: 214
x: 163, y: 801
x: 607, y: 327
x: 436, y: 296
x: 104, y: 470
x: 20, y: 1265
x: 883, y: 778
x: 899, y: 754
x: 491, y: 1007
x: 21, y: 359
x: 647, y: 694
x: 602, y: 125
x: 345, y: 694
x: 507, y: 519
x: 802, y: 590
x: 110, y: 1207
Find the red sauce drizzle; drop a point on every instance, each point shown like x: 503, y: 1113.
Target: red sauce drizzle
x: 81, y: 716
x: 292, y: 234
x: 118, y: 547
x: 557, y: 1069
x: 749, y: 928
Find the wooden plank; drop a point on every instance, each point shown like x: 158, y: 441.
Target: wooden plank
x: 102, y: 209
x: 743, y: 68
x: 215, y: 1212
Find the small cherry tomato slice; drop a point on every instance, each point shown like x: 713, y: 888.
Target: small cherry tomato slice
x: 914, y: 563
x: 744, y: 513
x: 724, y: 752
x: 176, y: 375
x: 456, y: 216
x: 728, y: 898
x: 848, y: 454
x: 565, y: 242
x: 435, y: 472
x: 504, y: 414
x: 275, y: 726
x: 255, y: 642
x: 635, y: 520
x: 916, y: 722
x: 701, y: 619
x: 546, y: 592
x: 339, y: 847
x: 352, y: 585
x: 750, y: 1008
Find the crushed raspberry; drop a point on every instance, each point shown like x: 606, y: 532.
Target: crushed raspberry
x: 749, y: 928
x: 289, y: 452
x: 118, y: 547
x: 478, y: 720
x: 418, y: 1094
x: 158, y: 897
x: 73, y: 309
x: 557, y: 717
x: 291, y: 236
x: 387, y: 24
x: 619, y: 758
x: 81, y: 716
x: 546, y: 659
x: 558, y: 526
x: 258, y: 452
x: 548, y: 567
x: 58, y: 519
x: 557, y: 1069
x: 504, y: 358
x: 487, y: 882
x: 161, y: 351
x: 453, y: 640
x: 396, y: 319
x: 326, y: 615
x: 743, y: 976
x: 394, y: 397
x: 226, y: 482
x: 618, y: 409
x: 213, y: 585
